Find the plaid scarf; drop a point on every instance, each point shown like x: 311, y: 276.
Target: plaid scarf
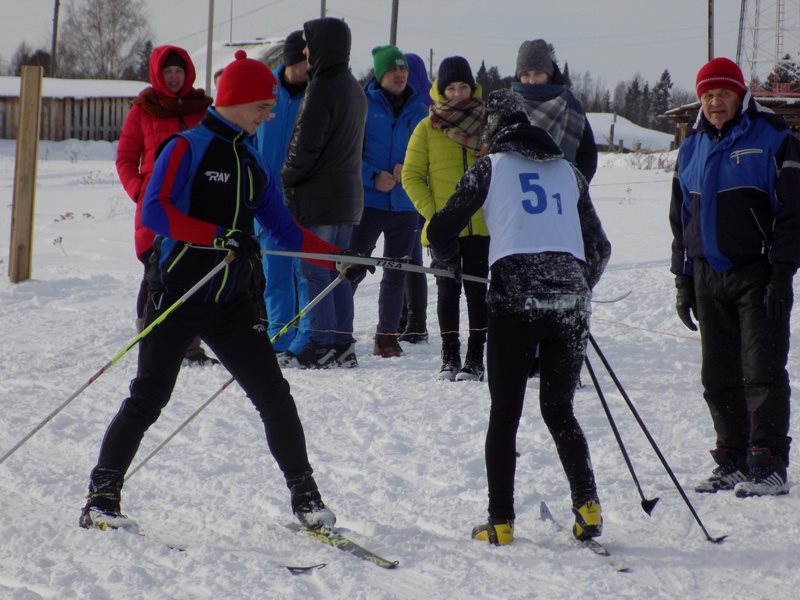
x: 460, y: 120
x: 557, y: 115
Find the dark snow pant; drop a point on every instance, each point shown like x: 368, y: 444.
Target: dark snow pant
x: 561, y: 336
x: 744, y: 360
x: 232, y: 330
x: 474, y: 250
x: 398, y: 229
x: 415, y: 291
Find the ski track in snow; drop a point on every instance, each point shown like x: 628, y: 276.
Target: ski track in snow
x: 398, y: 456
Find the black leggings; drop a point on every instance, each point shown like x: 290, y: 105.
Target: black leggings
x: 233, y: 332
x: 474, y: 261
x: 562, y: 337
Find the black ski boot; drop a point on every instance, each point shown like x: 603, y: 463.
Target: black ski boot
x: 307, y: 503
x: 473, y: 363
x: 102, y: 510
x: 451, y: 360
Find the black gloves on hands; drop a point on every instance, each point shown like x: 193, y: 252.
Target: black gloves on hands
x: 240, y: 243
x: 448, y: 259
x: 778, y: 295
x: 686, y: 302
x: 354, y: 273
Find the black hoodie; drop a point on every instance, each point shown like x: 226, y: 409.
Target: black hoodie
x: 322, y: 173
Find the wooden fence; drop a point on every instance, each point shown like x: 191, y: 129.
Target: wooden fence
x: 64, y: 118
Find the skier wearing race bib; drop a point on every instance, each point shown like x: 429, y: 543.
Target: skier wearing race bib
x: 547, y: 251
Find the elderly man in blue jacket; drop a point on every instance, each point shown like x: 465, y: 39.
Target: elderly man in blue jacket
x: 735, y: 217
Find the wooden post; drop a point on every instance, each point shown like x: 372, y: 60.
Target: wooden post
x: 20, y: 253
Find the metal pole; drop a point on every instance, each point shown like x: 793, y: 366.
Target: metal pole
x: 123, y: 351
x: 710, y: 29
x: 54, y: 41
x: 209, y: 41
x: 393, y: 31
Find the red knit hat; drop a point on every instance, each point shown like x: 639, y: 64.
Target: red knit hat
x: 245, y: 80
x: 722, y: 73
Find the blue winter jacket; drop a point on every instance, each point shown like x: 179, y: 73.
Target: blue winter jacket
x: 273, y: 136
x: 385, y: 141
x: 736, y: 195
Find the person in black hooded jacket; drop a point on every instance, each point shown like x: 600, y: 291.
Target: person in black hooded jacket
x: 322, y: 180
x: 546, y: 254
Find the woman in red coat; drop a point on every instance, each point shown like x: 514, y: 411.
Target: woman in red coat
x: 168, y: 106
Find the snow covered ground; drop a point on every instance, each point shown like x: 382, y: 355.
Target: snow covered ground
x: 398, y: 455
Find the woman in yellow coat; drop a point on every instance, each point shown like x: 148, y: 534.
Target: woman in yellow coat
x: 441, y: 149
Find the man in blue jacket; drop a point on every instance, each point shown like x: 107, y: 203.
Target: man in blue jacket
x: 286, y: 291
x: 735, y: 217
x: 393, y: 110
x: 208, y: 185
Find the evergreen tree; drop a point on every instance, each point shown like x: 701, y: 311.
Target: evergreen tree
x: 482, y: 77
x: 644, y: 107
x: 785, y: 76
x: 25, y: 55
x: 660, y: 103
x: 565, y: 73
x: 141, y: 70
x: 633, y: 99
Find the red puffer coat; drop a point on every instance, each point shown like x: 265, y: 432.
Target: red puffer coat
x: 155, y: 115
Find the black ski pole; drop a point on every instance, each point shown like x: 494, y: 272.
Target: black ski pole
x: 650, y: 439
x: 303, y: 312
x: 647, y: 504
x: 122, y: 352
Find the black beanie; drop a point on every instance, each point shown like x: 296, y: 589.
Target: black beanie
x: 504, y: 108
x: 293, y: 48
x: 452, y: 69
x: 174, y: 60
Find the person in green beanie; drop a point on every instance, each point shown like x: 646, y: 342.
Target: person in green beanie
x: 393, y: 110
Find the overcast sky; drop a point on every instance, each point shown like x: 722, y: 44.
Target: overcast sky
x: 612, y: 39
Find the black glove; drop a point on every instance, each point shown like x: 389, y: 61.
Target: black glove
x: 448, y: 259
x: 778, y: 294
x: 686, y: 301
x: 354, y: 273
x: 240, y: 243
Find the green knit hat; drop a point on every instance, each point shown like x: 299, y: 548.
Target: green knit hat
x: 386, y: 58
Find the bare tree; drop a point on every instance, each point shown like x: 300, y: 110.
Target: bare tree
x: 102, y: 38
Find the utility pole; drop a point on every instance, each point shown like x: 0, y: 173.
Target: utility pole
x: 54, y: 41
x: 430, y: 66
x: 322, y: 10
x: 209, y: 42
x: 710, y: 29
x: 393, y: 31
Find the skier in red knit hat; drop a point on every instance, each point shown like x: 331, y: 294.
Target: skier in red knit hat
x: 208, y: 185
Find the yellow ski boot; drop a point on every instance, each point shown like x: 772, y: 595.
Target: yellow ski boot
x: 588, y: 520
x: 497, y: 531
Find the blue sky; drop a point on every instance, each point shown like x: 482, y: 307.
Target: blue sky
x: 612, y: 39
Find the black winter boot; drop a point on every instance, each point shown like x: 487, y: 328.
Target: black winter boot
x: 730, y: 470
x: 451, y: 360
x: 307, y: 504
x: 473, y: 363
x: 103, y: 502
